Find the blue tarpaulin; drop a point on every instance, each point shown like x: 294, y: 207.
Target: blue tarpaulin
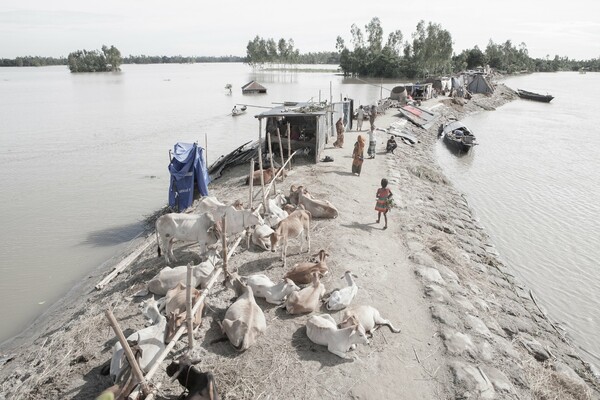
x: 187, y: 167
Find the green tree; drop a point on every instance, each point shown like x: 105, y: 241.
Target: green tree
x: 113, y: 57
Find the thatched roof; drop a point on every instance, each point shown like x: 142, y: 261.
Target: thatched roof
x: 254, y: 86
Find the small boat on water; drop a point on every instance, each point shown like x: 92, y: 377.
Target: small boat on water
x: 457, y: 136
x: 524, y: 94
x: 238, y: 111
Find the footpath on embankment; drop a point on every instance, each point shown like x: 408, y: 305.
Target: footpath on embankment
x: 469, y: 329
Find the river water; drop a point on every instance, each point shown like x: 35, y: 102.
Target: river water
x: 534, y: 184
x: 83, y: 160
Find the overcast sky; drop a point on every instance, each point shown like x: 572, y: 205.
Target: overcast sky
x: 198, y: 28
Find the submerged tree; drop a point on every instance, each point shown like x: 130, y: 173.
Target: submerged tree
x: 95, y: 61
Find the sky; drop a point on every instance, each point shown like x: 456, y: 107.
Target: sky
x: 196, y: 28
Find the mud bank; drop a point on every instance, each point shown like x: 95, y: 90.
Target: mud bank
x: 469, y: 328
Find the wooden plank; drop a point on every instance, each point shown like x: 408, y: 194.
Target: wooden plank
x: 126, y: 262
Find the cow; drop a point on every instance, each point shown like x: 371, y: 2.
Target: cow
x: 199, y: 385
x: 322, y: 329
x: 261, y: 236
x: 176, y: 309
x: 238, y: 220
x: 262, y: 286
x: 317, y: 208
x: 151, y: 341
x: 306, y: 300
x: 293, y: 226
x: 341, y: 298
x: 168, y: 278
x: 301, y: 273
x: 267, y: 176
x: 186, y: 227
x: 366, y: 316
x: 244, y: 320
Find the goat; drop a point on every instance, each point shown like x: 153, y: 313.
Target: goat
x: 200, y: 385
x: 262, y: 286
x: 341, y: 298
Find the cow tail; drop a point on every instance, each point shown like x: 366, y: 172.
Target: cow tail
x: 157, y: 239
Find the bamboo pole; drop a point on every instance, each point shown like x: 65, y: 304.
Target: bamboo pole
x: 268, y: 190
x: 206, y: 149
x: 289, y: 140
x: 224, y: 244
x: 271, y: 158
x: 190, y: 318
x: 135, y: 368
x: 280, y: 152
x: 262, y: 177
x: 126, y: 262
x: 251, y: 194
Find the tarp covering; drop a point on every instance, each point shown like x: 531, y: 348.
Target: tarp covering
x: 187, y: 166
x: 479, y: 85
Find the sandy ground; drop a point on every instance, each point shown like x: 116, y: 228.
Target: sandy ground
x: 469, y: 328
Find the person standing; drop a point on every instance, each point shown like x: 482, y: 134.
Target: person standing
x: 339, y: 128
x: 358, y: 155
x: 360, y: 116
x: 384, y: 199
x: 372, y: 116
x: 372, y: 143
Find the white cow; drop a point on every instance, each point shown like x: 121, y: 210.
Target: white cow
x: 238, y: 220
x: 151, y: 340
x: 262, y: 286
x: 187, y: 227
x: 341, y: 298
x: 321, y: 329
x: 318, y: 208
x: 306, y: 300
x: 261, y: 236
x: 367, y: 316
x: 244, y: 320
x: 168, y: 278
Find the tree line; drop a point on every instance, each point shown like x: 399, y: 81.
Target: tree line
x: 261, y: 51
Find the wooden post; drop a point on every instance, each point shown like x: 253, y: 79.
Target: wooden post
x: 224, y: 244
x: 262, y: 176
x: 251, y: 194
x: 190, y: 318
x: 280, y: 151
x: 271, y: 157
x: 289, y: 134
x: 135, y: 368
x: 206, y: 149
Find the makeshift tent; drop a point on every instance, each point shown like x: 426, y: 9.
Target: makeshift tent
x: 479, y: 85
x: 187, y: 166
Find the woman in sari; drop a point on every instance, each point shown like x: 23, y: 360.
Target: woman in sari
x: 339, y: 127
x: 358, y: 155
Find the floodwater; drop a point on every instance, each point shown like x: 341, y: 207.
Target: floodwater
x: 533, y: 182
x: 83, y: 160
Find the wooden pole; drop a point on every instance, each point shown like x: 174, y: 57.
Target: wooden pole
x: 135, y: 368
x: 280, y: 151
x: 206, y: 149
x: 251, y: 194
x: 289, y: 134
x: 190, y: 318
x: 224, y: 244
x: 262, y: 176
x: 126, y: 262
x: 271, y: 157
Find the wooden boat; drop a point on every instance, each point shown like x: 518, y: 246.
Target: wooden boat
x: 238, y: 111
x: 457, y: 136
x: 524, y: 94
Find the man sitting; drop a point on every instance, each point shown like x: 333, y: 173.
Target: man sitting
x: 391, y: 145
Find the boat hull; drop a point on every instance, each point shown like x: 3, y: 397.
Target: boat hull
x: 457, y: 145
x: 535, y: 96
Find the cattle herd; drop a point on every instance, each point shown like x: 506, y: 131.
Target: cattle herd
x: 300, y: 290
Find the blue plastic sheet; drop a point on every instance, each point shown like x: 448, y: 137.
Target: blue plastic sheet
x: 188, y: 171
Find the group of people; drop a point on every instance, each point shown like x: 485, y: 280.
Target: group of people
x: 384, y: 194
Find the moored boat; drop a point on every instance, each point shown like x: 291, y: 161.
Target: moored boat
x: 524, y: 94
x: 457, y: 136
